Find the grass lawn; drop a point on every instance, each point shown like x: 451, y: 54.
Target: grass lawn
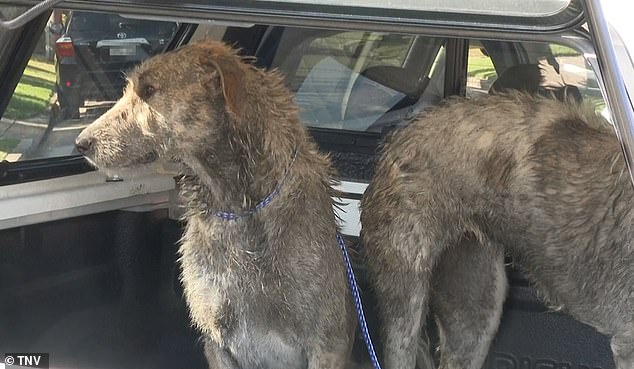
x: 32, y: 94
x: 480, y: 65
x: 560, y: 50
x: 6, y: 144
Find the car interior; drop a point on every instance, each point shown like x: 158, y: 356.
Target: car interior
x: 102, y: 289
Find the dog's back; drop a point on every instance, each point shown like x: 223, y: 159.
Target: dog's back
x: 530, y: 173
x: 544, y: 180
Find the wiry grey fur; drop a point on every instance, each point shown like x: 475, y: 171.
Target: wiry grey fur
x: 269, y: 290
x: 467, y: 181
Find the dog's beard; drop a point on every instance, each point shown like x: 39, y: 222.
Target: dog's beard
x: 109, y: 165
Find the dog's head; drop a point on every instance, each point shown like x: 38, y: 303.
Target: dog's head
x: 172, y: 103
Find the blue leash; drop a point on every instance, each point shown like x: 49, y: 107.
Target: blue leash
x: 352, y: 281
x: 354, y: 288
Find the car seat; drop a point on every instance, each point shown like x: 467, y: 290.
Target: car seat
x: 529, y: 78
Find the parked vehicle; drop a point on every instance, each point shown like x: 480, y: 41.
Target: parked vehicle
x: 88, y: 266
x: 95, y: 52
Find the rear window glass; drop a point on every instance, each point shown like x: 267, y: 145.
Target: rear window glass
x: 547, y: 69
x: 351, y: 87
x: 481, y: 71
x: 335, y: 71
x: 75, y: 74
x: 357, y: 81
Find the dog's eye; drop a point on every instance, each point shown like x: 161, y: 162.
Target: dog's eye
x: 148, y: 91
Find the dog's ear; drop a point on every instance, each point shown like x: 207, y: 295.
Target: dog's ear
x: 231, y: 78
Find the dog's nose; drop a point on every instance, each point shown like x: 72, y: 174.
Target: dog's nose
x: 84, y: 144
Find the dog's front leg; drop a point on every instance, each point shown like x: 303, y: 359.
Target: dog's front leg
x: 217, y: 357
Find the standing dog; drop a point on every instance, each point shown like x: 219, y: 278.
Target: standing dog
x: 540, y: 179
x: 267, y: 290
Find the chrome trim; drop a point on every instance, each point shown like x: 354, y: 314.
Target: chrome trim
x: 617, y: 98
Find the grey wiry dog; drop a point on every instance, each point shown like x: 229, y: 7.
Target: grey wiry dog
x: 542, y: 180
x: 267, y: 290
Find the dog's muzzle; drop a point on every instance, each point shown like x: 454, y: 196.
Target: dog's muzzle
x: 149, y: 157
x: 84, y: 145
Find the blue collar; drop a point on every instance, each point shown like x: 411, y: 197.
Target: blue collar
x: 227, y: 215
